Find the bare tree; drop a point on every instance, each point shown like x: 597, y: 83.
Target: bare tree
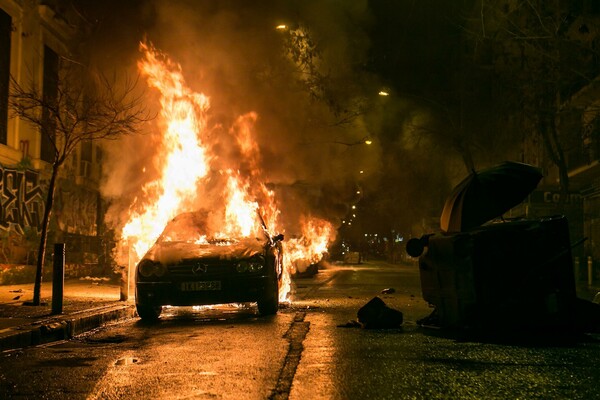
x: 84, y: 106
x: 540, y: 59
x: 343, y: 99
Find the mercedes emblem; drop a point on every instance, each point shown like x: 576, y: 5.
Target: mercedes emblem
x: 199, y: 268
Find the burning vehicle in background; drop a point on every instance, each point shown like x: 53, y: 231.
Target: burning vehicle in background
x: 189, y: 265
x: 307, y: 251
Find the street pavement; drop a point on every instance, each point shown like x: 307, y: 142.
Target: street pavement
x: 308, y: 350
x: 87, y: 304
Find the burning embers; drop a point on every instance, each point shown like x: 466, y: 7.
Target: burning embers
x: 194, y: 176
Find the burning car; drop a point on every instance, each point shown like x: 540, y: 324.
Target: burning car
x: 188, y: 265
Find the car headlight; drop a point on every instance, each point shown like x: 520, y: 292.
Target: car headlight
x: 147, y: 268
x: 255, y: 267
x: 255, y: 264
x: 242, y: 267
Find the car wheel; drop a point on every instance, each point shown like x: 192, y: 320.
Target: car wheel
x: 269, y: 303
x: 148, y: 312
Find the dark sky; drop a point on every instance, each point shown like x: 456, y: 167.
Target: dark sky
x: 414, y: 44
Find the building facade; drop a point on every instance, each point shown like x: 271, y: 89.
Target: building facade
x: 34, y: 36
x: 552, y: 50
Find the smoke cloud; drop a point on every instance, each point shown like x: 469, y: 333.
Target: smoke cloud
x: 231, y: 52
x: 309, y: 123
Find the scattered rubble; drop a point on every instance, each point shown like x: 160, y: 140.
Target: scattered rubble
x: 351, y: 324
x: 377, y: 315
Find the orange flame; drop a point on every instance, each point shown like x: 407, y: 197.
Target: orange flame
x: 310, y: 247
x: 184, y: 114
x: 185, y: 160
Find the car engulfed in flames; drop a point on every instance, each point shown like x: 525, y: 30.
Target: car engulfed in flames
x: 189, y: 266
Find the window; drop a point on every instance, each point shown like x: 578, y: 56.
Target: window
x: 5, y: 33
x: 86, y: 150
x: 50, y: 94
x: 85, y: 168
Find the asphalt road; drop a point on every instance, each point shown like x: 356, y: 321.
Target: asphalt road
x: 307, y: 351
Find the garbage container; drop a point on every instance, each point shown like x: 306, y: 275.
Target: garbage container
x: 516, y: 274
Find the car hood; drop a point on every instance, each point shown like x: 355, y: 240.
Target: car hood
x: 174, y: 252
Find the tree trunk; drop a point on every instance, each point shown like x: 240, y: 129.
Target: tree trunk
x: 44, y: 236
x: 549, y: 131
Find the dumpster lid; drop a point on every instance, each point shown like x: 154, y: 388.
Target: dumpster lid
x: 487, y: 194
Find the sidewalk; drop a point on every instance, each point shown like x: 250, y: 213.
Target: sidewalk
x: 87, y: 304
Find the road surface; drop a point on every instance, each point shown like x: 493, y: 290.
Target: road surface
x: 309, y: 350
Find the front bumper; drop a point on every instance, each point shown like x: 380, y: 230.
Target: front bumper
x: 188, y: 293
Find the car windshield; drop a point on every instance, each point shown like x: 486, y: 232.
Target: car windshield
x: 195, y: 227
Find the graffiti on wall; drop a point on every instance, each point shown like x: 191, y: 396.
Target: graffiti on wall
x: 21, y: 199
x: 76, y: 209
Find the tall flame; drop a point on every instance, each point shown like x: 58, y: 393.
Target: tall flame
x: 185, y: 161
x: 184, y: 115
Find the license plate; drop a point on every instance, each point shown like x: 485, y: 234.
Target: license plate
x: 199, y: 286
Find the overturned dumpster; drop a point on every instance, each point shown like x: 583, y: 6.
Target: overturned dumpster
x: 501, y: 275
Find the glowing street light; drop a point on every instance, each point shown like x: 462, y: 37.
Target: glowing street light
x: 281, y: 27
x: 384, y: 93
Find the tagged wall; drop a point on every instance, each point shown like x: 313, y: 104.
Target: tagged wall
x: 22, y: 199
x: 76, y: 209
x: 22, y: 204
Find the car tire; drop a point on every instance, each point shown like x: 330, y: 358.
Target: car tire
x: 148, y: 312
x: 269, y: 303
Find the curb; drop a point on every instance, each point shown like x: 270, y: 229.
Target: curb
x: 62, y: 327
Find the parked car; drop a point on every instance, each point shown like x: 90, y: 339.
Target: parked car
x: 188, y: 266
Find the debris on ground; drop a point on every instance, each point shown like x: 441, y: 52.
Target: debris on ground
x: 351, y: 324
x: 377, y: 315
x: 388, y: 291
